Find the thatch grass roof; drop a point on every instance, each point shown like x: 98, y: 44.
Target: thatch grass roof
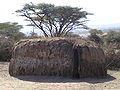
x: 76, y: 41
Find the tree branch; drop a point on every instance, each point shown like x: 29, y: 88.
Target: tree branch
x: 40, y: 27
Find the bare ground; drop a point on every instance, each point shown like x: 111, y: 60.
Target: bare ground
x: 112, y: 82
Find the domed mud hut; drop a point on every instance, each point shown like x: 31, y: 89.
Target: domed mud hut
x: 58, y: 57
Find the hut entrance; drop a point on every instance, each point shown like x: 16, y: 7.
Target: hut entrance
x: 76, y: 63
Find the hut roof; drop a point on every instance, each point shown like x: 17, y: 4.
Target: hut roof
x: 75, y: 41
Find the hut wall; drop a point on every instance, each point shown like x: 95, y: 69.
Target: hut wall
x: 91, y: 62
x: 42, y: 57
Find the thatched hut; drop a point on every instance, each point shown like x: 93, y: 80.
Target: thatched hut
x: 57, y: 56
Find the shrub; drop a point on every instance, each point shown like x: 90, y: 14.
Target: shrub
x: 6, y: 45
x: 113, y: 56
x: 95, y: 38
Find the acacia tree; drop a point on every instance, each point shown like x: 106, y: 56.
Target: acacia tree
x: 54, y: 21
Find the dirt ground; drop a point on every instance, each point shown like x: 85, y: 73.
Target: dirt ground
x: 112, y: 82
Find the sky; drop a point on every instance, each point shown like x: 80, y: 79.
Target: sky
x: 106, y: 12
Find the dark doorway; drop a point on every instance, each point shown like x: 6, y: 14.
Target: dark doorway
x: 75, y: 63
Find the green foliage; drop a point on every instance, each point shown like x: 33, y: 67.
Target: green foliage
x: 11, y: 30
x: 54, y: 21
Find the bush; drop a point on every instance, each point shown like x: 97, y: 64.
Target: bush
x: 6, y: 45
x: 113, y: 56
x: 110, y: 42
x: 95, y: 38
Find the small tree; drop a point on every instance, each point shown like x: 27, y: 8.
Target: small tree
x: 11, y: 30
x: 95, y: 36
x: 54, y: 21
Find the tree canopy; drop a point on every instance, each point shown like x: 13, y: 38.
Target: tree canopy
x: 54, y: 21
x: 11, y: 30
